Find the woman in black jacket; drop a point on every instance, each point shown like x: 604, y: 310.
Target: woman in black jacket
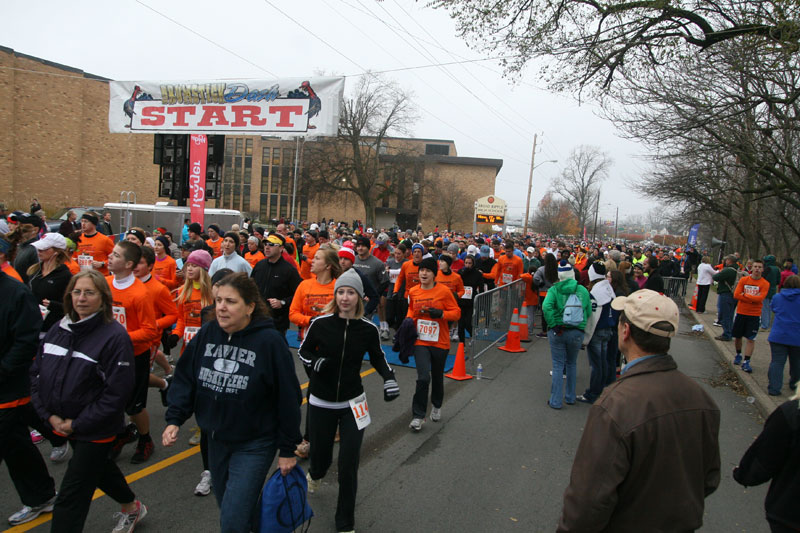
x: 81, y: 381
x: 333, y: 349
x: 775, y: 455
x: 49, y: 278
x: 473, y: 284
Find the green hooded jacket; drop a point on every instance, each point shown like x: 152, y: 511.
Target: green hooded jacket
x: 772, y: 274
x: 553, y: 306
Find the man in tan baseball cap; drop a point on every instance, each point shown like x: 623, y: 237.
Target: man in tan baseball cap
x: 651, y: 436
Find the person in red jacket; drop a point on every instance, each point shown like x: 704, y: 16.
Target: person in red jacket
x: 133, y: 309
x: 431, y: 305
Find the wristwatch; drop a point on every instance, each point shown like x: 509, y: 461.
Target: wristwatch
x: 283, y: 302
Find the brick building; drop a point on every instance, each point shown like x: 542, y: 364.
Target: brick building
x: 55, y: 139
x: 54, y: 127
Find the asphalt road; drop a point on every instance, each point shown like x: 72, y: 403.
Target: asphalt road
x: 498, y: 461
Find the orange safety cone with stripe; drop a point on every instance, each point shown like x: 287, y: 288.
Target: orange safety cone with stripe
x: 523, y: 324
x: 512, y: 340
x: 459, y: 372
x: 693, y: 305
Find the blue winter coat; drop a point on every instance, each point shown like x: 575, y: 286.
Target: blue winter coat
x: 786, y: 327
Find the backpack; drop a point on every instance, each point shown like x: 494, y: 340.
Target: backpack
x: 573, y: 311
x: 284, y: 507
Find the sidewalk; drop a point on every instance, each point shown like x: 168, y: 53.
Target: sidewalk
x: 756, y: 383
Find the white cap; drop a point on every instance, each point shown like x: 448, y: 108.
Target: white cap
x: 51, y: 240
x: 314, y: 227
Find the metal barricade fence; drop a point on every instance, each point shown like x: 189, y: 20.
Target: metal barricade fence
x: 675, y: 288
x: 491, y: 316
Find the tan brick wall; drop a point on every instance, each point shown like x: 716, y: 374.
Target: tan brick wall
x: 54, y: 130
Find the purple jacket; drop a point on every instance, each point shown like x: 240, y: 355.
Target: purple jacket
x: 84, y: 371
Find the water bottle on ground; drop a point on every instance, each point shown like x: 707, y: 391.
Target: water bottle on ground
x: 480, y: 371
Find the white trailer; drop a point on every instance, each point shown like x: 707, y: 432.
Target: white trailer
x: 150, y: 216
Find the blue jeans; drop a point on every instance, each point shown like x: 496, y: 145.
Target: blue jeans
x: 766, y: 313
x: 780, y: 352
x: 727, y: 307
x: 564, y: 353
x: 597, y: 351
x: 238, y: 473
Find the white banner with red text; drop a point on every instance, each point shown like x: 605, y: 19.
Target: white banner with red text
x: 287, y: 107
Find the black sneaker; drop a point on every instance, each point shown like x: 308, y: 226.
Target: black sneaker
x: 143, y: 452
x: 131, y: 434
x: 163, y: 392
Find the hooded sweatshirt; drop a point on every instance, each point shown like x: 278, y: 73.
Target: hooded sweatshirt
x: 240, y: 387
x: 772, y: 274
x: 786, y: 306
x: 556, y: 299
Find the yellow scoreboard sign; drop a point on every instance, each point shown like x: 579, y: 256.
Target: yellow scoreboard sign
x: 490, y: 219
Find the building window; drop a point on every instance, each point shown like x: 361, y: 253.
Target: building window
x: 437, y: 149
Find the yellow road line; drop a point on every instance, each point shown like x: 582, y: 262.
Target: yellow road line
x: 139, y: 474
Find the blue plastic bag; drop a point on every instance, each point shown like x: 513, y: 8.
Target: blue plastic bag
x: 284, y: 504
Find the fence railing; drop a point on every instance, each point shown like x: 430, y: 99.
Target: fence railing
x: 491, y: 316
x: 675, y: 288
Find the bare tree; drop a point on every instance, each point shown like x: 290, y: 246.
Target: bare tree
x: 592, y: 42
x: 554, y: 216
x: 351, y: 162
x: 579, y: 182
x: 445, y: 199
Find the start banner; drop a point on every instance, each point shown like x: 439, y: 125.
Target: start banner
x: 284, y: 107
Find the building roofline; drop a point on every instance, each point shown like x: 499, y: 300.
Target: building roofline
x: 450, y: 160
x: 420, y: 139
x: 53, y: 64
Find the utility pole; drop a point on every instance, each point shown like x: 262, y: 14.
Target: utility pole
x: 616, y: 223
x: 596, y: 212
x: 530, y: 185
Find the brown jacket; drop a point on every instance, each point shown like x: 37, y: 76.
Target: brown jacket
x: 648, y: 457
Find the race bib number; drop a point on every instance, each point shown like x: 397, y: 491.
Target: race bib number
x: 751, y: 290
x: 428, y: 330
x: 119, y: 315
x: 360, y: 410
x: 85, y: 261
x: 45, y: 311
x: 507, y: 278
x: 467, y: 293
x: 394, y: 273
x: 189, y: 333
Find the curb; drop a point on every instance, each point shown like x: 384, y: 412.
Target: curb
x: 763, y: 402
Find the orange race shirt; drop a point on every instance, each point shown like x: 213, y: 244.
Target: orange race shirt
x: 133, y: 309
x: 190, y: 317
x: 433, y: 331
x: 98, y: 246
x: 216, y: 246
x: 309, y: 300
x: 750, y: 294
x: 253, y: 258
x: 409, y: 274
x: 531, y: 296
x: 506, y: 270
x: 164, y: 270
x: 73, y: 266
x: 166, y: 312
x: 452, y: 281
x: 305, y: 266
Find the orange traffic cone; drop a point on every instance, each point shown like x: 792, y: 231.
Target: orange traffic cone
x: 512, y: 340
x: 523, y: 324
x: 459, y: 372
x: 693, y: 305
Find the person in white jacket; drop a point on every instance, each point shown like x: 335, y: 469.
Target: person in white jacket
x: 229, y: 258
x: 705, y: 272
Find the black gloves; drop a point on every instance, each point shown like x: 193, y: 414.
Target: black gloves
x: 435, y: 313
x: 172, y: 341
x: 390, y: 390
x: 319, y: 363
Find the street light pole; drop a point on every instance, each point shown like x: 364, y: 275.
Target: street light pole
x: 616, y: 223
x: 530, y: 185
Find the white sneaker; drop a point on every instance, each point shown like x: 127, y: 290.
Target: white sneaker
x: 436, y: 414
x: 26, y: 514
x: 313, y: 484
x: 204, y: 487
x: 385, y: 335
x: 126, y: 522
x: 59, y: 453
x: 416, y: 424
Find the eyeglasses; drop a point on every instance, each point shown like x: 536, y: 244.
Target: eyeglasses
x: 76, y: 293
x: 272, y: 244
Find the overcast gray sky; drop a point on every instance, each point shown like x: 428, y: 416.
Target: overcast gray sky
x: 489, y: 116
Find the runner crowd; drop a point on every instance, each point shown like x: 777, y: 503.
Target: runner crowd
x: 90, y: 314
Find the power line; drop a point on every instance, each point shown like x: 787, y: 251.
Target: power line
x: 207, y: 39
